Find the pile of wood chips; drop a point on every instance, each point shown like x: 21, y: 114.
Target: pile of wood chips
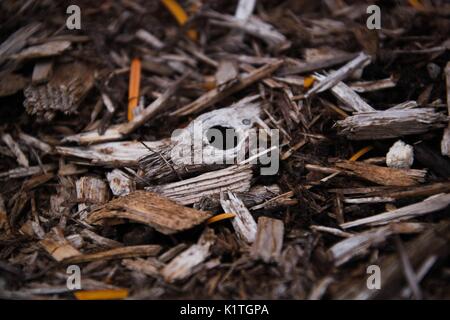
x: 89, y: 176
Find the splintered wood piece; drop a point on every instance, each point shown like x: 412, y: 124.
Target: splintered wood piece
x: 269, y: 239
x: 342, y: 73
x: 25, y: 172
x: 58, y: 246
x: 369, y: 86
x: 15, y: 149
x: 383, y: 175
x: 65, y: 91
x: 142, y: 266
x: 244, y: 224
x: 350, y: 99
x: 42, y: 72
x: 390, y: 123
x: 433, y: 242
x: 116, y: 253
x: 35, y: 142
x: 445, y: 144
x: 49, y: 49
x: 253, y: 26
x: 152, y: 209
x: 359, y: 244
x: 99, y: 240
x: 91, y: 190
x: 120, y: 131
x: 17, y: 40
x: 190, y: 191
x: 429, y: 205
x: 244, y: 9
x: 215, y: 95
x: 187, y: 262
x: 149, y: 38
x: 117, y: 154
x: 120, y: 183
x: 11, y: 84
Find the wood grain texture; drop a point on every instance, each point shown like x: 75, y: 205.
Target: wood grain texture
x: 165, y: 215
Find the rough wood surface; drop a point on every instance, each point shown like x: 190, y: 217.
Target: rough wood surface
x: 360, y: 244
x: 429, y: 205
x: 390, y: 123
x: 49, y: 49
x: 185, y: 263
x: 244, y: 224
x: 382, y: 175
x: 58, y: 246
x: 269, y: 239
x: 116, y: 253
x: 91, y: 191
x: 150, y: 208
x: 115, y: 154
x: 64, y: 92
x: 342, y: 73
x: 189, y: 191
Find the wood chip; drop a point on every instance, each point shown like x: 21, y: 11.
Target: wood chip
x: 91, y: 190
x: 190, y: 191
x: 64, y: 93
x: 58, y: 246
x: 269, y: 239
x: 429, y: 205
x: 117, y: 253
x: 49, y: 49
x: 15, y: 149
x: 383, y: 175
x: 390, y: 123
x: 244, y: 224
x: 152, y: 209
x: 184, y: 265
x: 359, y: 244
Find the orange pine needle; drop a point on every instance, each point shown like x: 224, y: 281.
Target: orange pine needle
x: 114, y: 294
x: 416, y: 4
x: 360, y: 153
x: 134, y: 86
x: 180, y: 15
x: 220, y: 217
x: 308, y: 82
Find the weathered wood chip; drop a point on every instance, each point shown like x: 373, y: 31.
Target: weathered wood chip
x: 52, y: 48
x: 244, y: 224
x: 165, y: 215
x: 383, y: 175
x: 185, y: 264
x: 431, y: 204
x: 117, y: 253
x: 65, y: 91
x: 58, y: 246
x: 269, y: 239
x: 359, y: 244
x: 91, y: 190
x: 390, y: 123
